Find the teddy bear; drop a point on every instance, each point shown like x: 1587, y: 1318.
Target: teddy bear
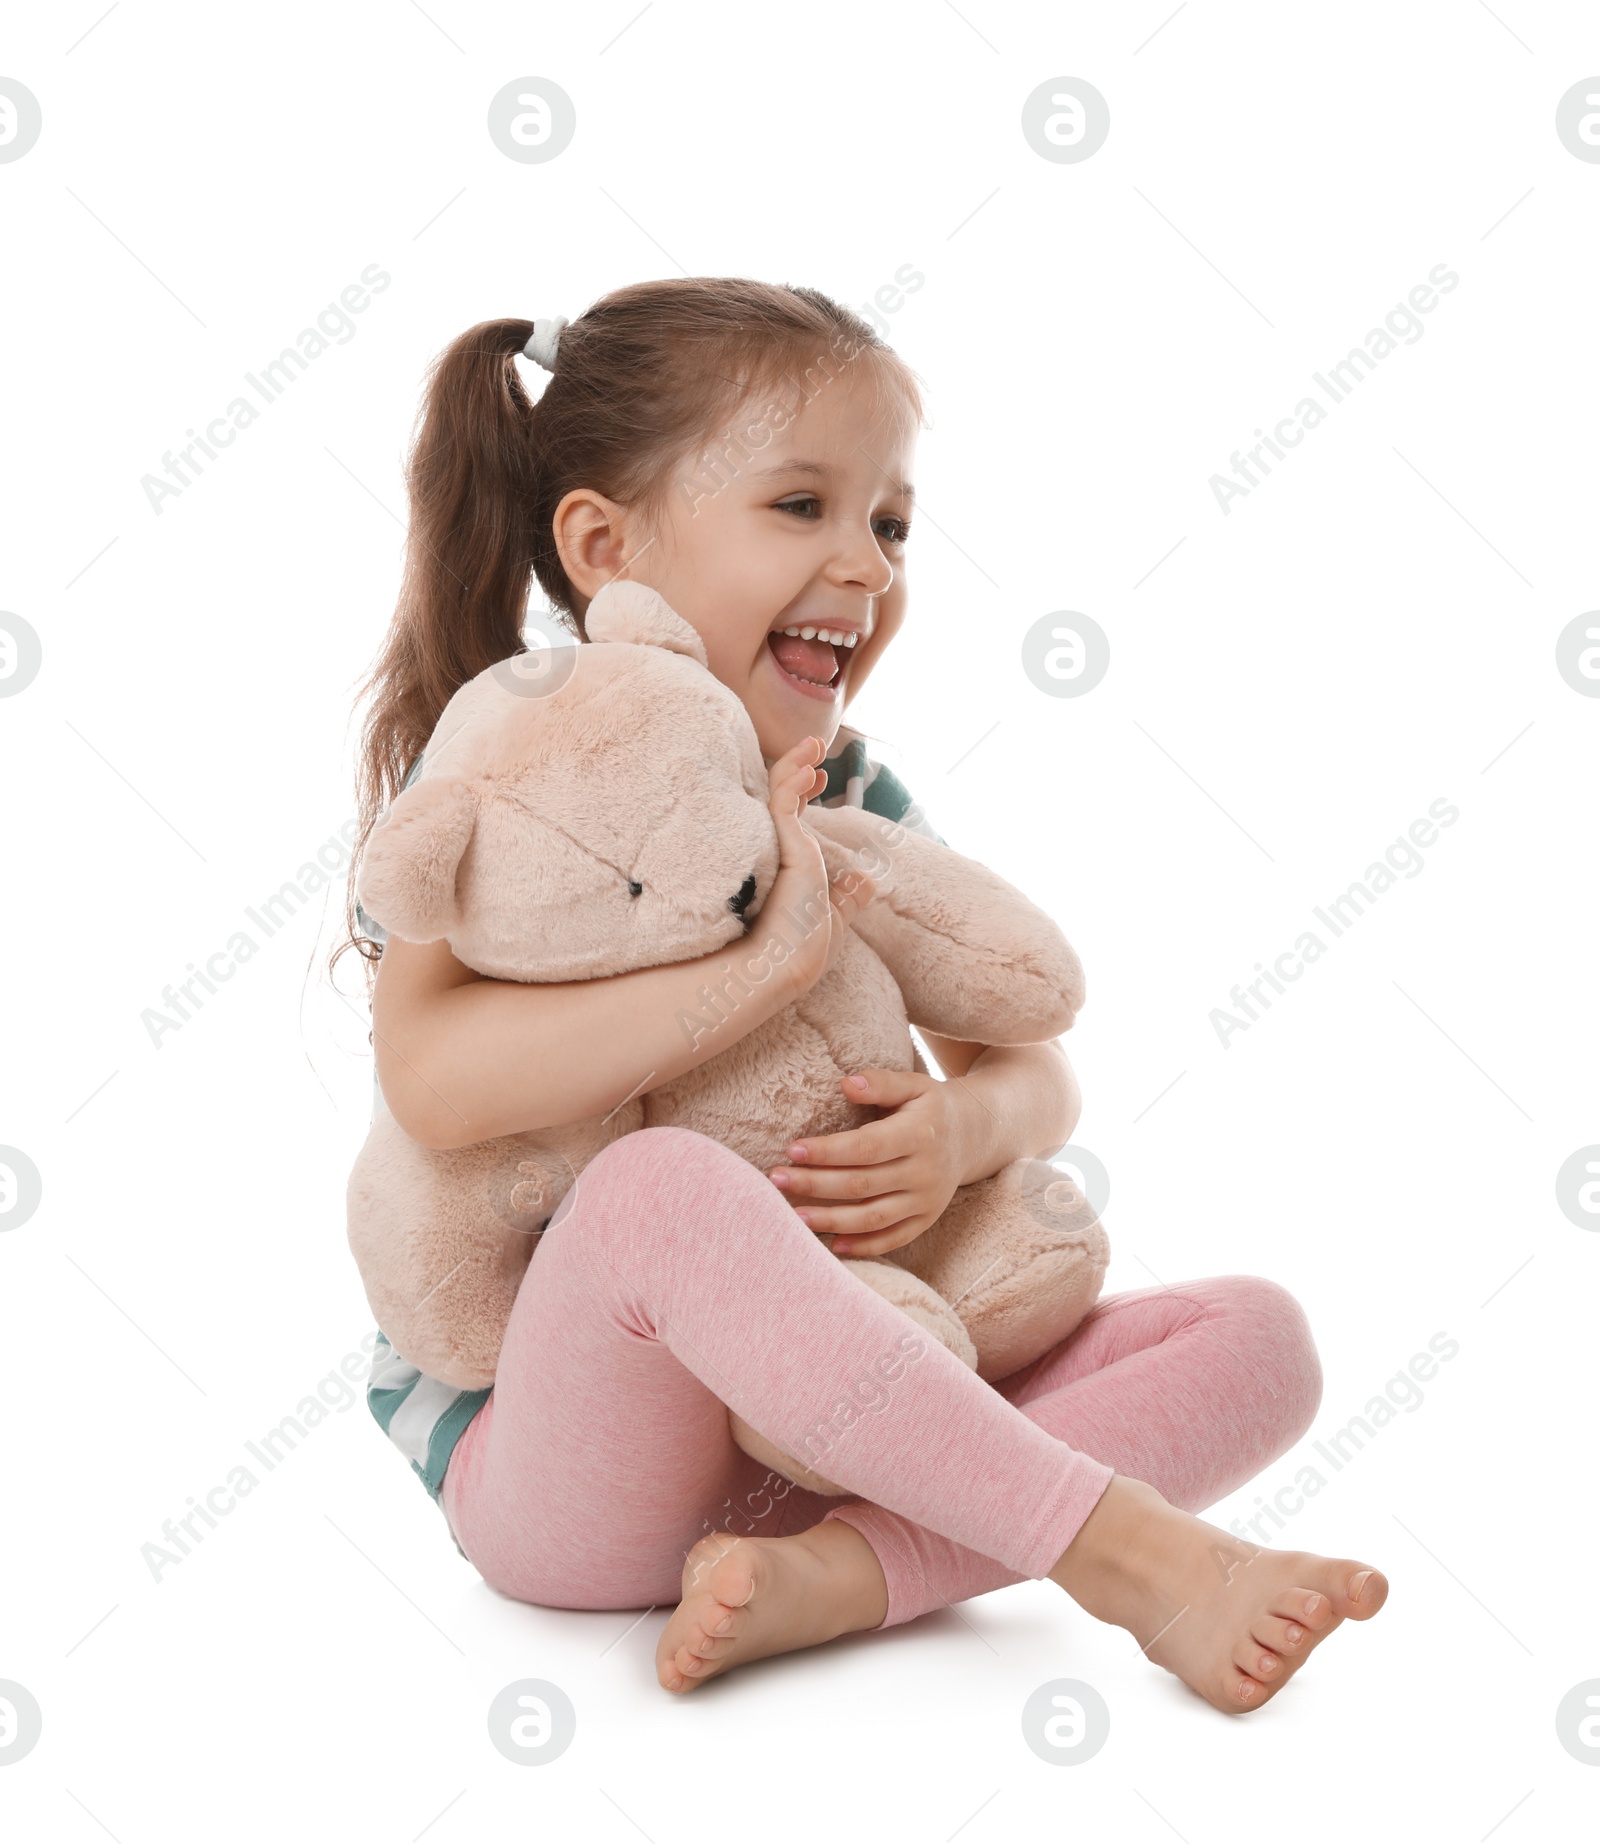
x: 588, y: 810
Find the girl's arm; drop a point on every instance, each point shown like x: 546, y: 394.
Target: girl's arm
x: 462, y: 1058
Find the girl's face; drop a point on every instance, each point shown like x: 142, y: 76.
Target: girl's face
x: 788, y: 558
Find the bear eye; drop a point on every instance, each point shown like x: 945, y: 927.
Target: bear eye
x: 634, y: 888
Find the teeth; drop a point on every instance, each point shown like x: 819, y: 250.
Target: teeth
x: 838, y: 637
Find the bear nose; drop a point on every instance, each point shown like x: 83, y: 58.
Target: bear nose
x: 747, y: 895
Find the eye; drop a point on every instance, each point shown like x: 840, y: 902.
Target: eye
x: 807, y: 506
x: 634, y: 888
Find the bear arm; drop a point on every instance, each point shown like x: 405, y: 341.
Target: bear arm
x: 974, y: 958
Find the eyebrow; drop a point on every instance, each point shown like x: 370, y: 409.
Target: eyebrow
x: 819, y: 470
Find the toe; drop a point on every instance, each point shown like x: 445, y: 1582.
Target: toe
x: 722, y: 1622
x: 1307, y: 1607
x: 1240, y: 1691
x: 703, y: 1645
x: 733, y: 1579
x: 1366, y: 1592
x: 1352, y: 1591
x: 1257, y: 1661
x: 1288, y: 1638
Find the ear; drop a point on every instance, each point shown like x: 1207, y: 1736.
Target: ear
x: 633, y: 611
x: 407, y: 879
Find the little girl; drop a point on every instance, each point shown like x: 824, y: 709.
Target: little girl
x: 746, y: 450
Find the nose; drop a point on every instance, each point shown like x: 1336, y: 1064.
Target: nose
x: 746, y: 896
x: 861, y: 564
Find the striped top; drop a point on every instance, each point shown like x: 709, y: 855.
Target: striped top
x: 424, y: 1417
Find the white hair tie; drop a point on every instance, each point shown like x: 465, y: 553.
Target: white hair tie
x: 542, y: 341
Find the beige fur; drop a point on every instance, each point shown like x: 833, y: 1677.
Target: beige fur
x: 538, y: 802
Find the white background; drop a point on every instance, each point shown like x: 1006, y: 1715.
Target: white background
x: 1370, y: 630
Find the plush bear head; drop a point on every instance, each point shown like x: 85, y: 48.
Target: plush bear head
x: 549, y: 836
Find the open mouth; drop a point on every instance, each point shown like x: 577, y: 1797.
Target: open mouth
x: 813, y: 659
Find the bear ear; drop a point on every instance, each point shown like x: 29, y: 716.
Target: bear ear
x: 407, y: 880
x: 633, y: 611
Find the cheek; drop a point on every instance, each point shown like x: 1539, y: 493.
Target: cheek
x: 730, y: 588
x: 890, y: 618
x: 754, y: 596
x: 891, y: 613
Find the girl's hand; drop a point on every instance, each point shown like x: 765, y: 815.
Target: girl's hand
x: 880, y: 1186
x: 808, y: 914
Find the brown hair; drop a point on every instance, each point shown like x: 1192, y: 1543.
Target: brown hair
x: 640, y: 379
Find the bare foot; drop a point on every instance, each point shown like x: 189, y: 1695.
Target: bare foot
x: 750, y: 1597
x: 1233, y: 1621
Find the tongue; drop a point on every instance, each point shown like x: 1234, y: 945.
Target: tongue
x: 806, y: 659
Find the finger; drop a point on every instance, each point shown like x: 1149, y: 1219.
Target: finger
x: 856, y: 1146
x: 844, y: 1183
x: 792, y: 766
x: 885, y: 1088
x: 788, y: 797
x: 792, y: 779
x: 874, y: 1215
x: 808, y: 751
x: 870, y: 1144
x: 896, y: 1236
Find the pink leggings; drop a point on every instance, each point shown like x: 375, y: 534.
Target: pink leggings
x: 674, y: 1283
